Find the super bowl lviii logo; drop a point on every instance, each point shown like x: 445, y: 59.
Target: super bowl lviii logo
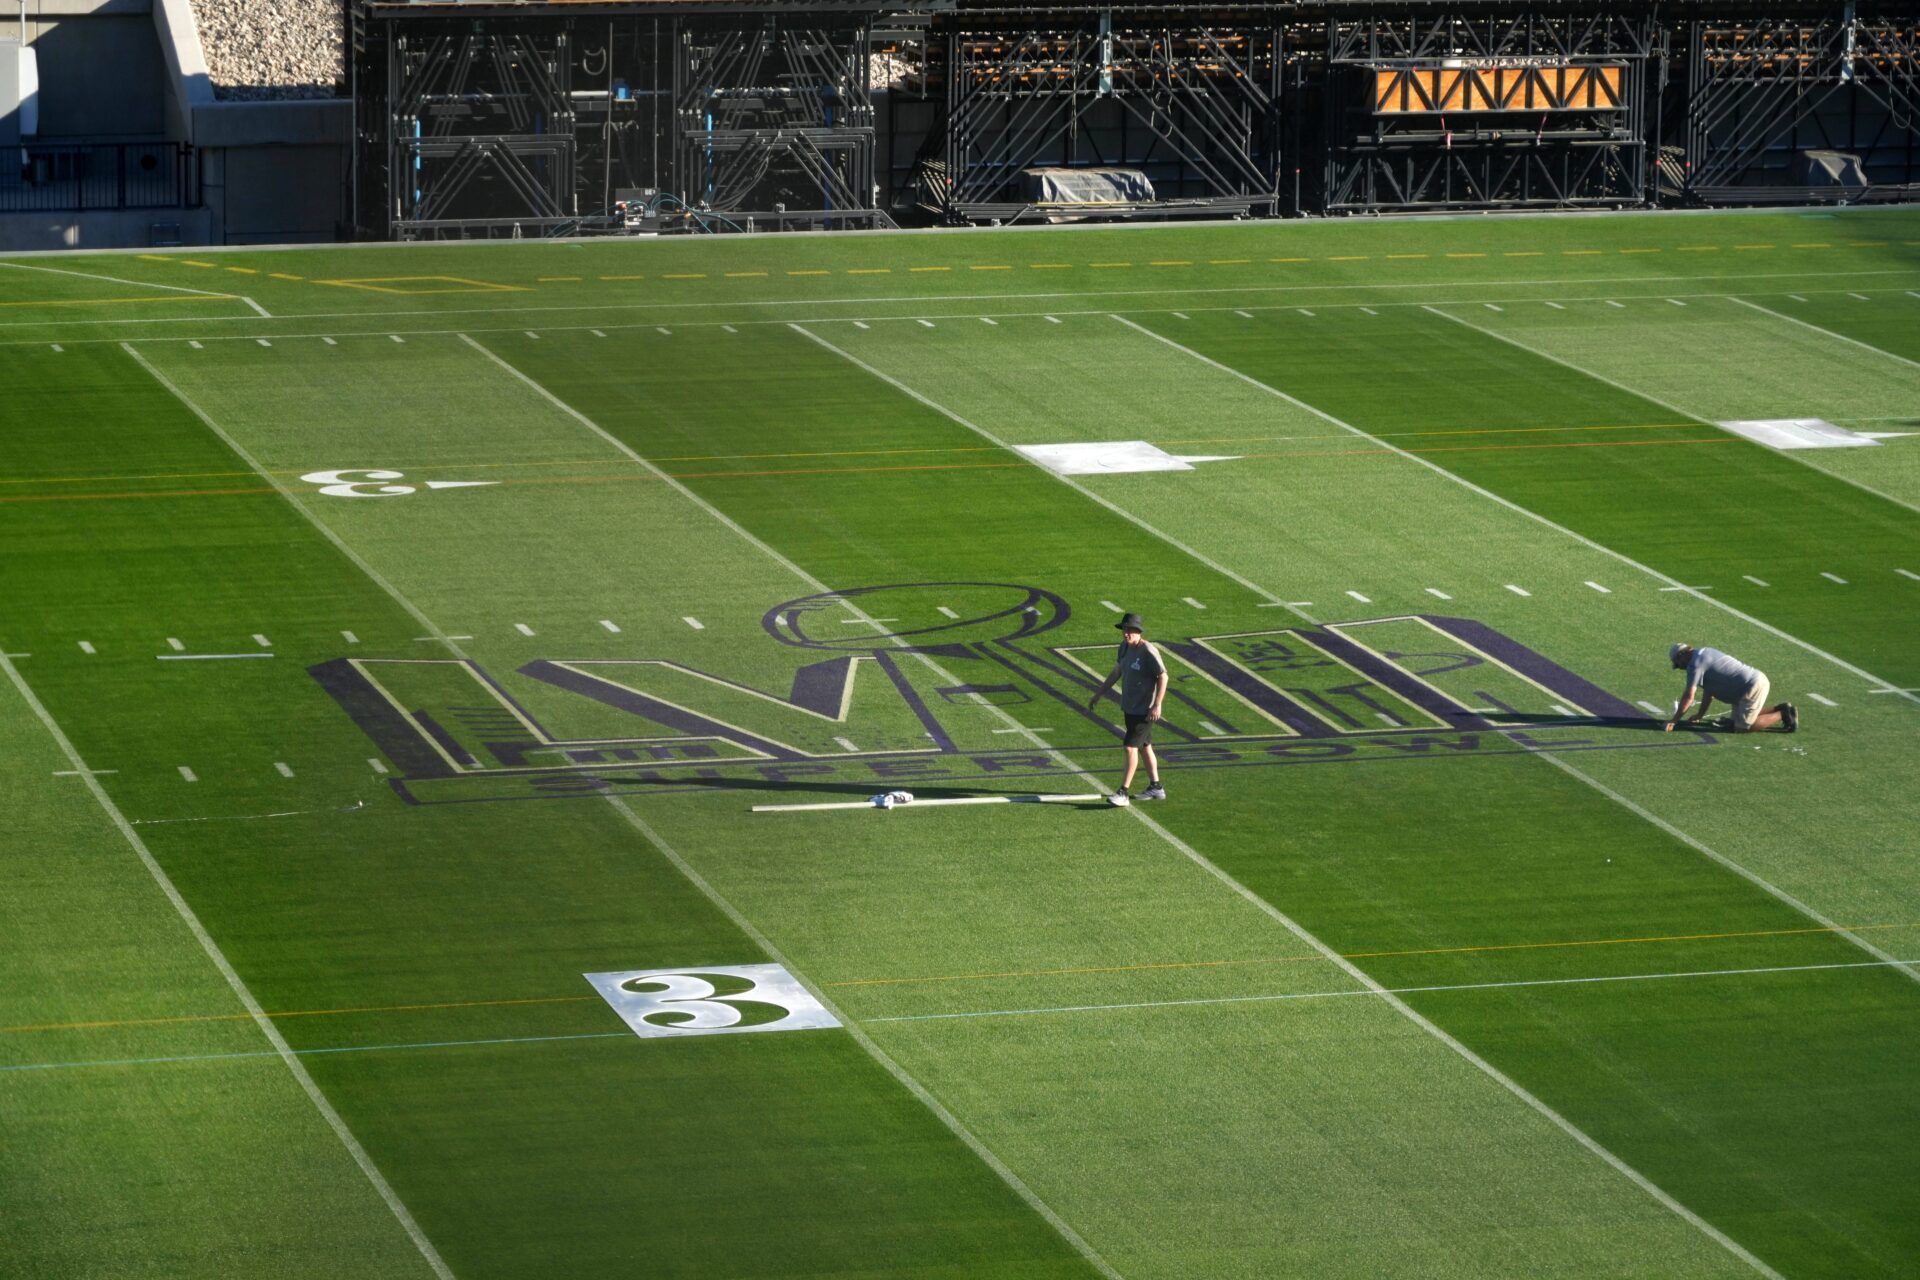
x: 722, y: 1000
x: 958, y: 681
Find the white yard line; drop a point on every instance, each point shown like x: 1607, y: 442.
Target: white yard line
x: 1150, y: 292
x: 1069, y: 481
x: 138, y: 284
x: 1279, y: 917
x: 1648, y: 396
x: 866, y: 1042
x: 263, y: 313
x: 746, y: 926
x: 1391, y: 991
x: 1776, y: 891
x: 234, y: 981
x: 1823, y: 701
x: 1828, y: 333
x: 1674, y: 584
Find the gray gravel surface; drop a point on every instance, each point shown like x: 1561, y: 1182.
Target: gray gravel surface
x: 259, y: 49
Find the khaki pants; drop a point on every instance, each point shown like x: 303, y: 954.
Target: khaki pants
x: 1751, y: 704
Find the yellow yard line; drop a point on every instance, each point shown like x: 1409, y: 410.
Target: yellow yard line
x: 1049, y: 266
x: 869, y: 271
x: 746, y: 275
x: 929, y: 268
x: 992, y: 268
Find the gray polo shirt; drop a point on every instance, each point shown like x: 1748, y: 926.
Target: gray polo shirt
x: 1720, y: 674
x: 1140, y: 669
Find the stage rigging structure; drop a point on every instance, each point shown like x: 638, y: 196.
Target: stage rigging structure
x: 550, y: 117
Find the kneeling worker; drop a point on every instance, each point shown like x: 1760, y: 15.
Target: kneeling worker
x: 1143, y: 687
x: 1714, y: 674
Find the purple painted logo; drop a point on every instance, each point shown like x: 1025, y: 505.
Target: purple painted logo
x: 963, y: 682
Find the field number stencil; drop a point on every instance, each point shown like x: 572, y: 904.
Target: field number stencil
x: 720, y: 1000
x: 376, y: 483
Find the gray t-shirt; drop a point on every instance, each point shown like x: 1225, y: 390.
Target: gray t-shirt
x: 1140, y: 669
x: 1720, y: 674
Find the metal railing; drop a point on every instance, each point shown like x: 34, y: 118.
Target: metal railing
x: 55, y: 177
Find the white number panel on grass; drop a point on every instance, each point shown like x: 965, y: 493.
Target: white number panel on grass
x: 1806, y: 433
x: 713, y: 1001
x: 1112, y: 457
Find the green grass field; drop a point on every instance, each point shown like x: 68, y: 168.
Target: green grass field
x: 396, y: 635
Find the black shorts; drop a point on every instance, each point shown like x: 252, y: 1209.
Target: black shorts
x: 1139, y: 731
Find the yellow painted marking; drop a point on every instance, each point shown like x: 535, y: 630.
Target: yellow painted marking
x: 623, y: 277
x: 929, y: 268
x: 1753, y: 246
x: 1698, y: 248
x: 553, y: 279
x: 1228, y: 262
x: 1579, y: 253
x: 243, y: 271
x: 114, y: 302
x: 989, y: 268
x: 281, y: 275
x: 195, y: 262
x: 684, y: 275
x: 1289, y: 259
x: 809, y: 273
x: 746, y: 275
x: 1525, y: 253
x: 1109, y: 264
x: 1466, y: 255
x: 1639, y: 251
x: 460, y: 284
x: 1401, y: 256
x: 869, y: 271
x: 1815, y: 245
x: 1048, y: 266
x: 1348, y: 257
x: 156, y: 257
x: 1173, y: 262
x: 973, y: 977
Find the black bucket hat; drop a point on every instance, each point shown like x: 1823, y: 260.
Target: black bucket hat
x: 1131, y: 622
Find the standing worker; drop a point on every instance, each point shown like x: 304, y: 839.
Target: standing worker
x: 1721, y: 675
x: 1143, y: 687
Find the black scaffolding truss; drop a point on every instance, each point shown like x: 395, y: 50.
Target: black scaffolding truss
x: 1486, y: 109
x: 1762, y: 94
x: 516, y: 117
x: 513, y: 119
x: 1192, y: 105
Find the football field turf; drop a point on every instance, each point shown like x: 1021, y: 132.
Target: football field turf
x: 395, y: 636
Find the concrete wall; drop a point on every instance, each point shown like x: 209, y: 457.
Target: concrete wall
x: 102, y: 74
x: 115, y: 229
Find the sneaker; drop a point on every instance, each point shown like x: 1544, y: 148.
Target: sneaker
x: 1154, y: 792
x: 1789, y: 717
x: 1119, y: 799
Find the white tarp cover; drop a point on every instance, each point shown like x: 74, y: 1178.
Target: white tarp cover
x: 1112, y: 457
x: 1084, y: 186
x: 1834, y: 169
x: 1799, y: 433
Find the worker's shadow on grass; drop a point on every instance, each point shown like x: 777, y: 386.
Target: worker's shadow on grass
x: 1646, y: 724
x: 785, y: 786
